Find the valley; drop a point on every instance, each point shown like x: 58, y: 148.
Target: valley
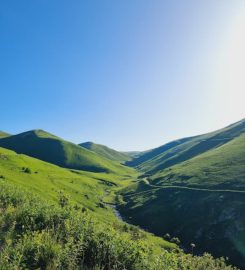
x: 187, y: 193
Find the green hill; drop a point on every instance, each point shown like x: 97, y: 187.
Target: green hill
x: 184, y: 149
x: 106, y: 152
x: 196, y: 192
x: 50, y: 148
x: 3, y: 134
x: 57, y: 218
x: 47, y: 180
x: 192, y: 188
x: 220, y: 168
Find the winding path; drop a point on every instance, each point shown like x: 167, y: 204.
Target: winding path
x: 184, y: 188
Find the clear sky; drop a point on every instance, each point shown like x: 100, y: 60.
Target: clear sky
x: 131, y: 74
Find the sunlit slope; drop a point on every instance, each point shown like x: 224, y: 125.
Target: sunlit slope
x: 3, y: 134
x: 106, y: 152
x: 48, y: 180
x: 181, y: 150
x: 48, y: 147
x: 219, y: 168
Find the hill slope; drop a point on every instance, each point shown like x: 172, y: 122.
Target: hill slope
x: 184, y: 149
x: 41, y: 230
x: 50, y: 148
x: 220, y: 168
x: 106, y: 152
x: 200, y: 198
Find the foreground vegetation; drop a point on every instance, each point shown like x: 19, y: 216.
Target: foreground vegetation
x: 36, y: 234
x: 64, y: 218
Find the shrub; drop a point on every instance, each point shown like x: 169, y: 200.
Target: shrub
x: 38, y: 235
x: 26, y: 170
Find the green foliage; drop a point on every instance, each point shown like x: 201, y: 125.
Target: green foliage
x: 37, y: 235
x: 63, y: 199
x: 26, y: 170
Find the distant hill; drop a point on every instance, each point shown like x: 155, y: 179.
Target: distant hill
x: 106, y: 152
x: 48, y: 147
x: 134, y: 154
x: 180, y: 150
x: 3, y: 134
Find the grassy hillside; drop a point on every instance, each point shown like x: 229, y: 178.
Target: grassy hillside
x: 106, y: 152
x: 220, y: 168
x: 3, y: 134
x: 47, y: 147
x: 184, y: 149
x: 93, y: 191
x: 200, y: 200
x: 31, y: 191
x: 48, y: 180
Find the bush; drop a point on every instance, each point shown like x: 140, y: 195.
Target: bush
x: 38, y: 235
x: 26, y: 170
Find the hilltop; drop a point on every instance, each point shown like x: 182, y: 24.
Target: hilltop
x: 106, y: 152
x: 48, y: 147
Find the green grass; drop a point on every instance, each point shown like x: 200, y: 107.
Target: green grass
x: 106, y: 152
x: 85, y: 189
x: 48, y: 147
x: 39, y: 235
x: 46, y: 179
x: 221, y: 168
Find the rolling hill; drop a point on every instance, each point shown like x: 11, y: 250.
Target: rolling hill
x: 194, y: 189
x: 106, y: 152
x: 180, y: 150
x: 220, y: 168
x: 50, y: 148
x: 57, y: 218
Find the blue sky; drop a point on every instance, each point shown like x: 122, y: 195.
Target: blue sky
x: 131, y: 74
